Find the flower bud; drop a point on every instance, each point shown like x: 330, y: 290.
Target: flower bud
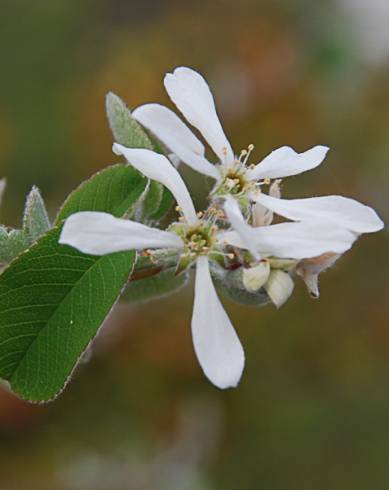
x: 231, y: 284
x: 279, y: 287
x: 255, y: 277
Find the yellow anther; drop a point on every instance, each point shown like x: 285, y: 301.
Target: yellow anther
x: 230, y: 256
x: 178, y: 208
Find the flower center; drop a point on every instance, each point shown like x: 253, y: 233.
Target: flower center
x: 198, y: 239
x: 234, y: 179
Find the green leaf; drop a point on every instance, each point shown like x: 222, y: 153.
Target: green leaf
x: 165, y: 205
x: 114, y: 190
x: 35, y: 219
x: 154, y: 287
x: 53, y: 300
x: 125, y: 129
x: 128, y: 132
x: 152, y: 199
x: 12, y: 243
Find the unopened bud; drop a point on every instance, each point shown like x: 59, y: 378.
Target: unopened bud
x: 279, y: 287
x: 255, y: 277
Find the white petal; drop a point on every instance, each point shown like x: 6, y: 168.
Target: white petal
x: 343, y: 211
x: 169, y: 129
x: 235, y: 217
x: 261, y: 216
x: 192, y: 96
x: 279, y: 287
x: 215, y: 341
x: 101, y: 233
x: 157, y: 167
x: 296, y: 240
x: 284, y: 162
x: 309, y: 270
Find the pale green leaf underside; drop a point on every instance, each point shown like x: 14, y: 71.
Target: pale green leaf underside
x: 154, y: 287
x: 128, y: 132
x: 12, y: 243
x: 35, y: 220
x: 125, y: 129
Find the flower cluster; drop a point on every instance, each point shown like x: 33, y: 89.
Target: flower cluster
x: 233, y: 239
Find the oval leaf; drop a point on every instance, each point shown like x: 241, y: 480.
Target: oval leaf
x: 52, y: 302
x: 53, y: 298
x: 114, y: 190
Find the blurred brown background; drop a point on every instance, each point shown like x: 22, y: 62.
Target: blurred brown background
x: 312, y: 409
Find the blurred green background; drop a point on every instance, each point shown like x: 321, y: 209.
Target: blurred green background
x: 312, y: 409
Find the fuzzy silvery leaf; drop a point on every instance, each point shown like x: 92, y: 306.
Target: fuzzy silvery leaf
x: 12, y: 243
x: 125, y: 129
x: 35, y: 220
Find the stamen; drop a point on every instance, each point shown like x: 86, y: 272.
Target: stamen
x: 223, y: 254
x: 248, y: 153
x: 243, y: 153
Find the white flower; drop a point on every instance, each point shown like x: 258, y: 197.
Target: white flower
x: 192, y: 96
x: 216, y: 343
